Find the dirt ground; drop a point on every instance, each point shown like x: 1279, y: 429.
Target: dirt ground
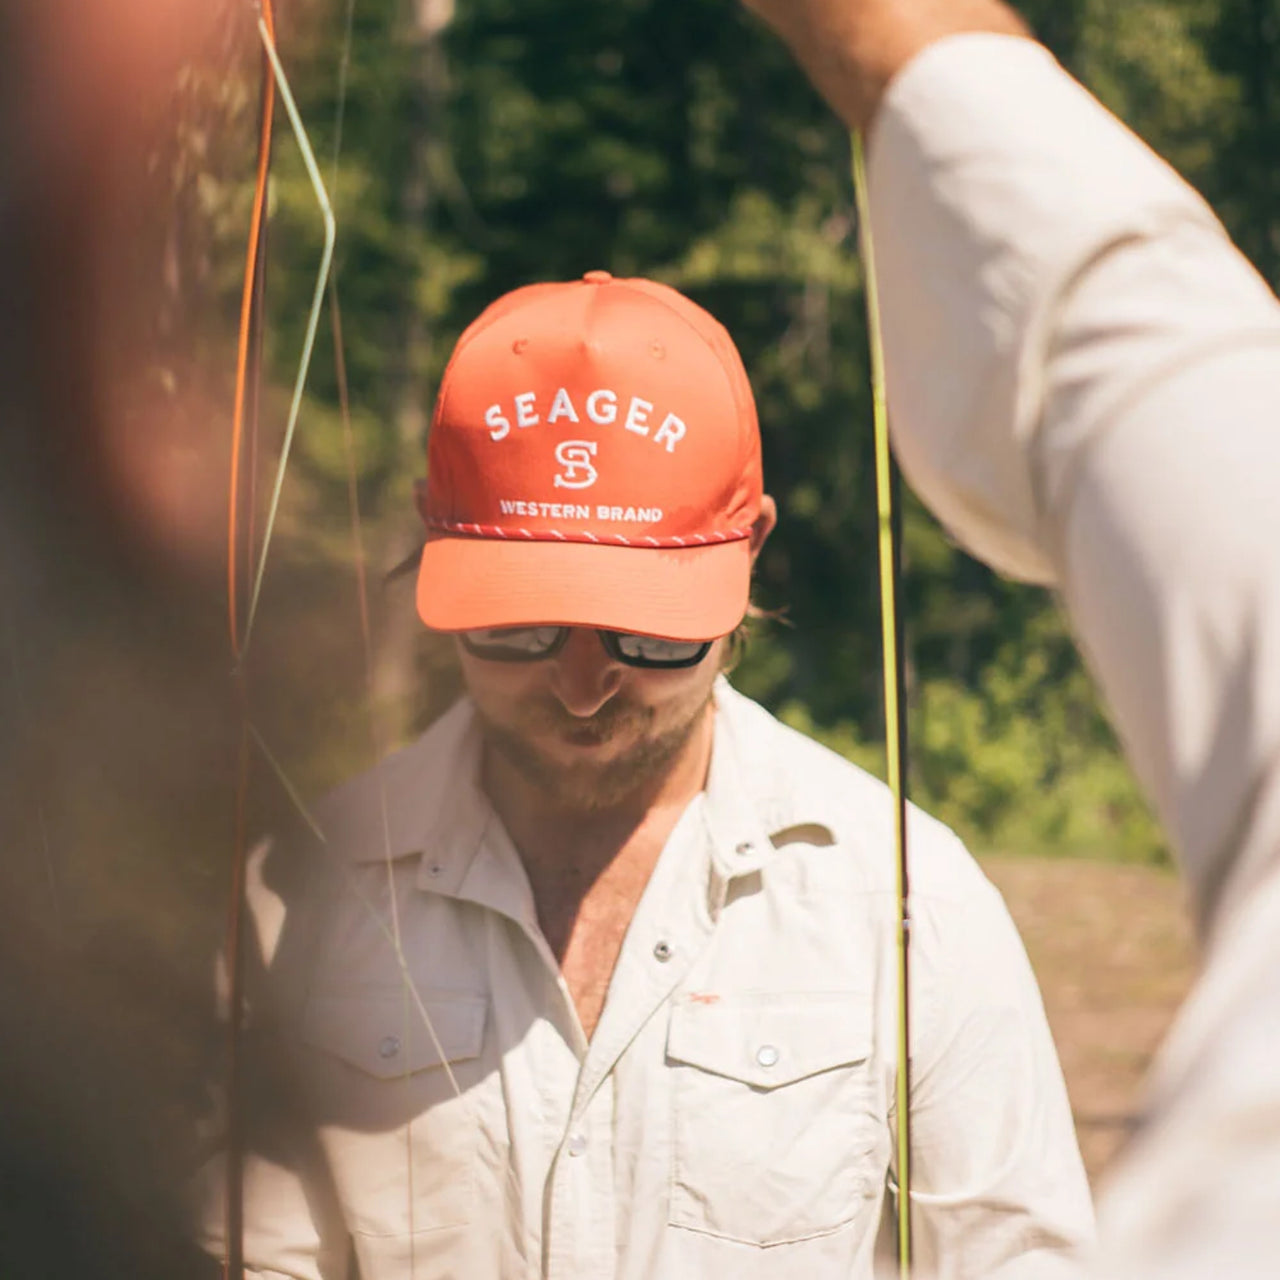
x: 1112, y: 947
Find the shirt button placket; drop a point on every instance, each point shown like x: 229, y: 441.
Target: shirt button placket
x: 583, y: 1239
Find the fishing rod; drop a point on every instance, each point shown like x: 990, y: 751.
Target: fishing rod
x: 889, y: 554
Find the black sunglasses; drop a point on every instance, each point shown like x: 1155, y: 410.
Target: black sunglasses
x: 532, y: 644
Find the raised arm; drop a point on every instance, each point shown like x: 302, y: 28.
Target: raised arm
x: 1084, y: 384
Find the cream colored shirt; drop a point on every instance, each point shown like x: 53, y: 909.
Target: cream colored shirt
x: 732, y: 1115
x: 1084, y: 384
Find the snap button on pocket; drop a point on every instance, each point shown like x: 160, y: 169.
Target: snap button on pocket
x: 377, y: 1064
x: 777, y: 1135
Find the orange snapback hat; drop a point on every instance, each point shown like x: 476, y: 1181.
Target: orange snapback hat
x: 594, y: 460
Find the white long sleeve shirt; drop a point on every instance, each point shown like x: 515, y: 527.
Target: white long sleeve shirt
x: 1084, y: 383
x: 731, y: 1115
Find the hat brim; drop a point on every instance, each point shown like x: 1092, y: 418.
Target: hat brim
x: 687, y: 593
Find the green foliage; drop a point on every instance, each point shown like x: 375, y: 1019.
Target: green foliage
x: 673, y: 138
x: 1023, y: 763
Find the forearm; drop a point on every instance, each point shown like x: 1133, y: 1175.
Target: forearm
x: 852, y: 49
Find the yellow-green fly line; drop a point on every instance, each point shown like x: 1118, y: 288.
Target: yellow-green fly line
x: 894, y: 703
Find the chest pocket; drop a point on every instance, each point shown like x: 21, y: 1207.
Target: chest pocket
x: 776, y: 1132
x: 382, y: 1069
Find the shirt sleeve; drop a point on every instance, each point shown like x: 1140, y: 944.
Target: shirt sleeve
x: 998, y: 1189
x: 1084, y: 378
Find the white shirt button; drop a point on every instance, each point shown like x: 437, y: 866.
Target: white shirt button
x: 767, y: 1055
x: 388, y: 1046
x: 577, y: 1144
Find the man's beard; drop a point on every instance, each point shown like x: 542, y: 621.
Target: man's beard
x: 590, y: 785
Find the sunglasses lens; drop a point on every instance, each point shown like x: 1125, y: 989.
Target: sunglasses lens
x: 512, y: 644
x: 528, y: 644
x: 652, y: 651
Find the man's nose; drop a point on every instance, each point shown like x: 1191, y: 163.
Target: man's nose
x: 583, y: 676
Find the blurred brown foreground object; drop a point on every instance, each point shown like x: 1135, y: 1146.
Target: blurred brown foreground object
x: 117, y: 724
x: 1113, y: 949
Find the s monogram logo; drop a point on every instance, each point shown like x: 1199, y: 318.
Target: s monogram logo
x: 575, y: 457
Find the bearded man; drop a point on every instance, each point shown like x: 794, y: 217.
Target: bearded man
x: 598, y: 978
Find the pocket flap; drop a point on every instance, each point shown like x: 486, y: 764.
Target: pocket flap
x: 770, y: 1040
x: 384, y: 1033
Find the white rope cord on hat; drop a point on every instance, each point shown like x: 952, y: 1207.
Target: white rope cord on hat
x: 670, y: 541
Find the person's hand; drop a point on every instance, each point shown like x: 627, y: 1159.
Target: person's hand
x: 851, y: 49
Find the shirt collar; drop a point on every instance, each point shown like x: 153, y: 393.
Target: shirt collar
x: 426, y: 798
x: 738, y: 803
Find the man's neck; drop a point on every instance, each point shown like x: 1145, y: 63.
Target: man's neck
x: 569, y: 850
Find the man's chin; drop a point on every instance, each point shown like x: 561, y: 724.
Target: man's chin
x: 586, y: 776
x: 584, y: 769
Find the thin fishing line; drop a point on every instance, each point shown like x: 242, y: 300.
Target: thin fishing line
x: 363, y: 898
x: 413, y: 996
x: 233, y: 1266
x: 344, y: 69
x: 248, y: 353
x: 408, y: 985
x: 889, y: 548
x: 256, y: 243
x: 324, y: 277
x: 313, y: 317
x: 249, y: 505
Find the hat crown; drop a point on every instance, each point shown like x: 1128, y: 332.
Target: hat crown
x: 602, y: 409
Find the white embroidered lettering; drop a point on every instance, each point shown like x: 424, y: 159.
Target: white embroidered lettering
x: 670, y: 433
x: 562, y: 407
x: 637, y: 415
x: 493, y: 418
x: 575, y: 457
x: 627, y: 515
x: 525, y: 416
x: 604, y: 416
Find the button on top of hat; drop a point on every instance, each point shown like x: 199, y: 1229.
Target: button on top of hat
x: 598, y: 277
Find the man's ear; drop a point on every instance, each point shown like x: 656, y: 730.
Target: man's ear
x: 763, y: 524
